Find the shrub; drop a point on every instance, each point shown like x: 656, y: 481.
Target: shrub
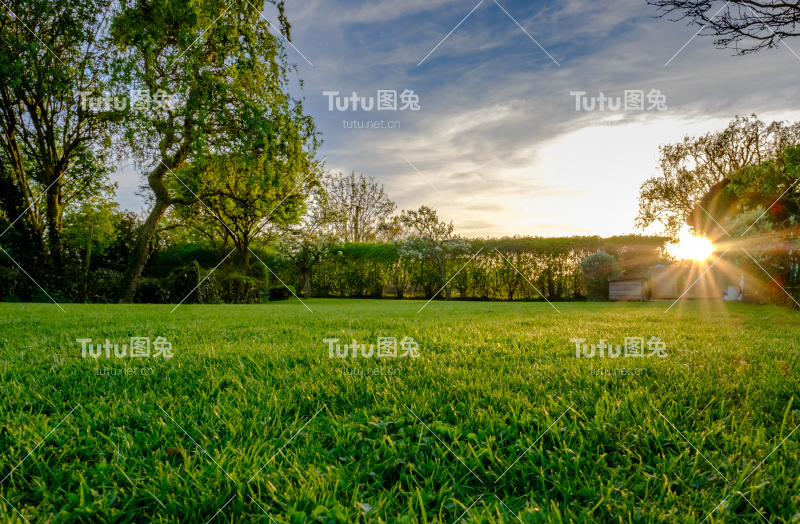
x: 181, y: 256
x: 152, y: 291
x: 10, y: 298
x: 280, y: 292
x: 103, y: 285
x: 182, y: 281
x: 9, y: 278
x: 596, y: 269
x: 236, y: 288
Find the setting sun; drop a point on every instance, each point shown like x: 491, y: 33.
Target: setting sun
x: 690, y: 247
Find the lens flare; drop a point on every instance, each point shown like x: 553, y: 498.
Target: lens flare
x: 691, y: 247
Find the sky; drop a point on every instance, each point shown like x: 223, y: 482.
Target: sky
x: 496, y: 144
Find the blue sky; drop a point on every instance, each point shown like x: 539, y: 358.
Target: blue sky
x: 497, y: 141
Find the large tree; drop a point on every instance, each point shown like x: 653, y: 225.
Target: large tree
x: 243, y: 199
x: 229, y: 75
x: 698, y: 166
x: 431, y: 239
x: 49, y: 153
x: 307, y: 244
x: 360, y: 208
x: 746, y: 26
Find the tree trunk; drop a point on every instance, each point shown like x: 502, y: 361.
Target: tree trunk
x: 140, y: 252
x: 87, y: 261
x: 443, y: 273
x: 54, y: 230
x: 307, y: 284
x: 245, y: 256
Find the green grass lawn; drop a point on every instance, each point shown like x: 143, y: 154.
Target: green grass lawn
x: 495, y: 421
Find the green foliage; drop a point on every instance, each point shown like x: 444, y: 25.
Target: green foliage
x: 275, y: 293
x: 52, y: 151
x: 691, y: 168
x: 181, y: 255
x: 9, y: 278
x: 236, y: 288
x: 184, y: 282
x: 152, y: 291
x: 103, y: 285
x: 596, y: 269
x: 235, y: 132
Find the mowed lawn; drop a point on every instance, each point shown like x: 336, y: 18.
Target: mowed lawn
x: 495, y: 421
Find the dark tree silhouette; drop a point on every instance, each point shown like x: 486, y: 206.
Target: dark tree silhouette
x: 746, y: 26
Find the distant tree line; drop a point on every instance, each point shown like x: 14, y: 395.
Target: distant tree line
x: 238, y: 200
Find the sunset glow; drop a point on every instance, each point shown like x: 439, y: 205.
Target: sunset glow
x: 691, y: 247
